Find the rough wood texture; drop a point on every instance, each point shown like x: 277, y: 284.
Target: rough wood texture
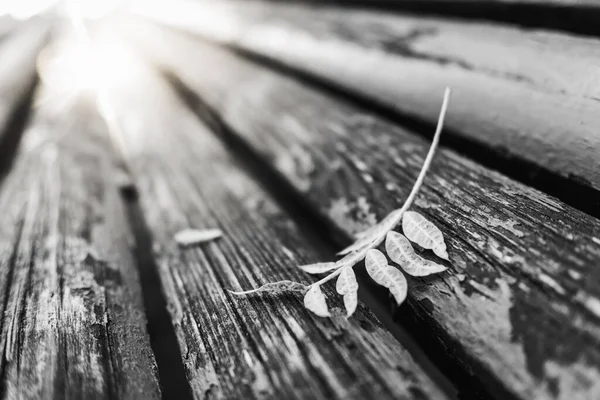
x: 18, y: 53
x: 73, y: 325
x: 520, y: 309
x: 531, y: 95
x: 259, y: 347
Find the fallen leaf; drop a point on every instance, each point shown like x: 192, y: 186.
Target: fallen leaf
x: 351, y: 302
x: 386, y: 275
x: 401, y: 252
x: 423, y: 232
x: 347, y: 286
x: 346, y: 282
x: 314, y: 300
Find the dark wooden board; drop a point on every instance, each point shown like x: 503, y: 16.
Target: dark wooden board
x: 519, y: 312
x: 574, y: 16
x: 255, y: 347
x: 530, y: 96
x: 73, y: 324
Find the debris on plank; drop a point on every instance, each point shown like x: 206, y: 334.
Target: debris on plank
x: 192, y: 237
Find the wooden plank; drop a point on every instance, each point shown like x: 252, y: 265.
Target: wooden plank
x: 18, y: 72
x: 255, y: 347
x: 73, y: 324
x: 519, y: 311
x: 526, y: 95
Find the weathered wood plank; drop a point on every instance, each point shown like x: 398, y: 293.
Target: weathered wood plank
x: 528, y: 95
x: 18, y: 69
x: 73, y: 323
x: 520, y: 310
x: 255, y: 347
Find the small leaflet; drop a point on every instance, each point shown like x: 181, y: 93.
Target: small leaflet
x: 314, y: 300
x: 386, y: 275
x: 351, y: 302
x: 424, y: 233
x: 280, y: 286
x: 376, y: 263
x: 346, y: 282
x: 319, y: 268
x: 398, y: 285
x: 401, y: 252
x: 190, y: 237
x: 347, y: 286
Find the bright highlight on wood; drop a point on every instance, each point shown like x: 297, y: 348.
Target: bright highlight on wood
x: 416, y: 228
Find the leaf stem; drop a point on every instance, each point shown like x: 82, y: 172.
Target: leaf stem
x: 430, y: 154
x: 411, y: 197
x: 355, y: 257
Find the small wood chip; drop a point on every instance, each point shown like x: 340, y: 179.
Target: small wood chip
x: 191, y: 237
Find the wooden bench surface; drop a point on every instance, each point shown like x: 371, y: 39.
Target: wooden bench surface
x: 256, y: 347
x: 524, y: 98
x: 513, y: 278
x: 291, y: 127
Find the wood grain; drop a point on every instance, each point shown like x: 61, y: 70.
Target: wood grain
x: 259, y: 347
x: 519, y: 312
x: 73, y: 324
x: 527, y: 95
